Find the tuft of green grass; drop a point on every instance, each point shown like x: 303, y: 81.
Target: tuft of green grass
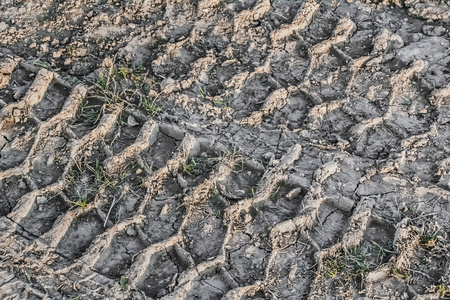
x: 399, y: 273
x: 381, y: 252
x: 202, y: 91
x: 222, y: 103
x: 103, y: 177
x: 113, y: 98
x: 128, y: 86
x: 139, y: 69
x: 123, y: 282
x: 137, y: 79
x: 428, y: 241
x: 123, y: 72
x: 378, y: 250
x: 40, y: 64
x: 444, y: 289
x: 333, y: 267
x: 356, y: 263
x: 192, y: 166
x: 92, y: 116
x: 70, y: 50
x: 121, y: 122
x: 350, y: 265
x: 70, y: 178
x: 272, y: 196
x: 75, y: 81
x: 361, y: 266
x: 150, y: 106
x: 102, y: 81
x: 82, y: 201
x: 107, y: 89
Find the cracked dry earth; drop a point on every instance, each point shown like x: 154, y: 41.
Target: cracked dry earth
x: 224, y: 149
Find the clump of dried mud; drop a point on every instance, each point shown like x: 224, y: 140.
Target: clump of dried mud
x: 251, y: 149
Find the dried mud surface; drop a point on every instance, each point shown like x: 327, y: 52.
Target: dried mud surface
x: 288, y: 149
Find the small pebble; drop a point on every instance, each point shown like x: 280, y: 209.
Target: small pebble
x: 131, y: 231
x: 22, y: 185
x: 268, y: 155
x: 131, y: 121
x: 41, y: 200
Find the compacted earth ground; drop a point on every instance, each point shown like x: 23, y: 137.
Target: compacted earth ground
x: 224, y: 149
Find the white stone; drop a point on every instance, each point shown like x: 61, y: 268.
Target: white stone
x: 131, y: 121
x: 41, y: 200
